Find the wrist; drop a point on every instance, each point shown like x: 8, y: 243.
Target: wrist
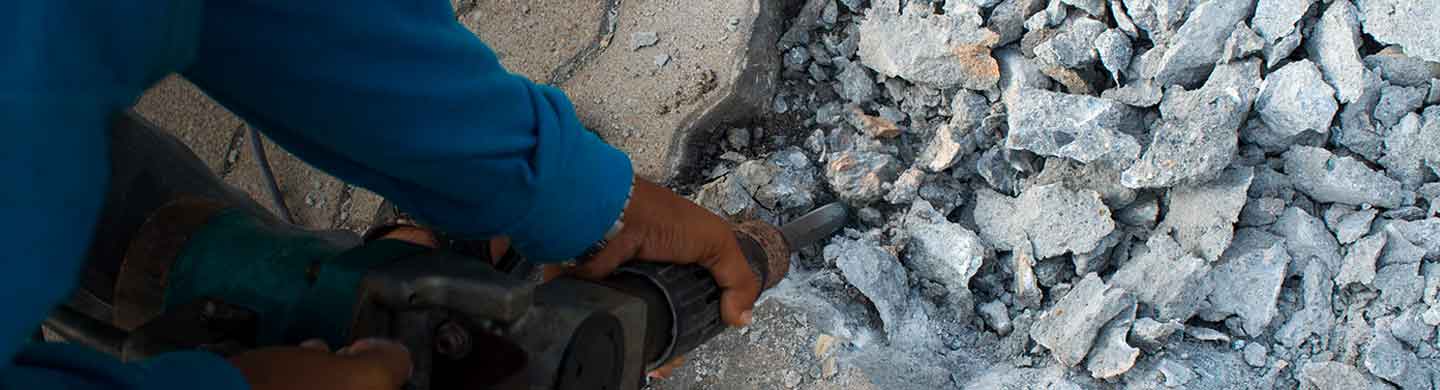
x: 615, y: 227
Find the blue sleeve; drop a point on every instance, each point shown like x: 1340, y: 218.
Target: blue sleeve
x: 398, y: 97
x: 67, y: 65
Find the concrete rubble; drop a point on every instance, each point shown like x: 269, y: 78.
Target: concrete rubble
x: 1104, y: 194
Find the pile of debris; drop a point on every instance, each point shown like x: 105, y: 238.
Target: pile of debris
x: 1148, y: 193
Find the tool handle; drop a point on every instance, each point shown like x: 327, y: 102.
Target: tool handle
x: 690, y: 298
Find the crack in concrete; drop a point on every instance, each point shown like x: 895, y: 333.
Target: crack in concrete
x: 232, y: 151
x: 609, y: 22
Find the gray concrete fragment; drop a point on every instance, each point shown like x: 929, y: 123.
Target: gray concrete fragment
x: 1176, y: 374
x: 1166, y: 277
x: 906, y: 187
x: 1333, y: 376
x: 1316, y: 317
x: 1334, y: 44
x: 1199, y: 43
x: 1007, y: 19
x: 727, y: 196
x: 1275, y: 20
x: 1410, y: 328
x: 1114, y: 49
x: 1261, y: 212
x: 1100, y: 176
x: 1247, y: 280
x: 1329, y: 178
x: 1412, y: 148
x: 1142, y: 93
x: 1296, y: 98
x: 1412, y: 24
x: 643, y: 39
x: 783, y: 182
x: 876, y: 273
x: 1203, y: 216
x: 1095, y: 8
x: 1350, y: 227
x: 1112, y: 355
x: 856, y: 83
x: 1153, y: 335
x: 1396, y: 102
x: 1359, y: 263
x: 1386, y: 358
x: 1206, y: 334
x: 858, y: 177
x: 1357, y: 130
x: 1082, y: 128
x: 1434, y: 97
x: 1017, y: 73
x: 1307, y: 240
x: 943, y: 252
x: 1243, y: 42
x: 997, y: 316
x: 1143, y: 212
x: 1069, y: 328
x: 1397, y: 68
x: 1196, y: 138
x: 941, y: 50
x: 1026, y: 285
x: 1074, y: 47
x: 1424, y: 233
x: 1398, y: 277
x: 1055, y: 219
x: 1255, y: 355
x: 1159, y: 18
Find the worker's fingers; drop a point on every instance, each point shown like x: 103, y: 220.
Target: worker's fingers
x: 392, y: 358
x: 739, y: 284
x: 668, y: 369
x: 616, y: 252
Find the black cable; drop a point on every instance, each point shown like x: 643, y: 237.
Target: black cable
x: 257, y: 146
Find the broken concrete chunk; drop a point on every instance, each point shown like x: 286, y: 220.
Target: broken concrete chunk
x: 874, y: 126
x: 1114, y: 49
x: 1316, y: 317
x: 1095, y: 8
x: 997, y: 316
x: 1307, y: 239
x: 1074, y: 47
x: 1434, y: 97
x: 1199, y: 43
x: 1153, y: 335
x: 1295, y: 98
x: 1176, y: 374
x: 943, y: 252
x: 1007, y: 19
x: 906, y: 187
x: 1392, y: 65
x: 1411, y: 24
x: 1142, y: 93
x: 1357, y: 130
x: 856, y: 83
x: 1412, y: 148
x: 1101, y: 176
x: 1255, y: 355
x: 1350, y: 227
x: 1018, y: 72
x: 1203, y: 216
x: 783, y: 182
x: 1359, y: 263
x: 1247, y: 280
x: 1069, y: 328
x: 1396, y: 102
x: 727, y: 196
x: 1055, y: 219
x: 1243, y: 42
x: 1333, y: 376
x: 1423, y: 233
x: 1026, y: 288
x: 1206, y: 334
x: 1261, y: 212
x: 1329, y: 178
x: 1334, y: 43
x: 1386, y: 358
x: 1410, y: 328
x: 1082, y: 128
x: 1143, y: 212
x: 1398, y: 277
x: 945, y: 51
x: 1196, y: 138
x: 643, y: 39
x: 858, y: 177
x: 1112, y: 355
x: 876, y: 273
x: 945, y: 148
x: 1275, y: 20
x: 1166, y: 278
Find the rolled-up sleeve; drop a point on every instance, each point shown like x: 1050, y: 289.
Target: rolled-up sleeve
x: 398, y: 97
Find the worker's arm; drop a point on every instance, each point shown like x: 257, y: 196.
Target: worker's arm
x: 397, y: 97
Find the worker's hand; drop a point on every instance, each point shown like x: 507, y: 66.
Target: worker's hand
x: 661, y: 226
x: 370, y: 364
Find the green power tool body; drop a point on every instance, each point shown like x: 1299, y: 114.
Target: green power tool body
x: 207, y: 270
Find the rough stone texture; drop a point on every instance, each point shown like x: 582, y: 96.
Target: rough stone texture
x: 1392, y: 65
x: 922, y: 47
x: 1143, y: 212
x: 1274, y: 21
x: 1255, y: 355
x: 1056, y: 220
x: 1114, y: 49
x: 1112, y: 355
x: 1078, y: 127
x: 1386, y: 358
x: 180, y: 108
x: 658, y: 115
x: 1316, y: 317
x: 1166, y: 278
x: 1074, y: 47
x: 1335, y: 43
x: 1357, y: 130
x: 1398, y: 277
x: 1261, y: 212
x: 1151, y: 335
x: 1196, y: 138
x: 1138, y: 94
x: 1307, y: 240
x: 1247, y: 279
x: 783, y: 182
x: 727, y: 196
x: 1295, y: 99
x: 997, y: 316
x: 1333, y: 376
x: 1199, y: 43
x: 1329, y: 178
x: 1203, y: 216
x: 1007, y: 19
x: 1359, y: 265
x: 906, y: 187
x: 856, y: 83
x: 1412, y: 24
x: 1159, y: 18
x: 858, y: 177
x: 876, y: 273
x: 1176, y: 374
x: 1101, y: 176
x: 1069, y: 329
x: 1351, y: 226
x: 1412, y: 148
x: 1026, y: 287
x: 943, y: 252
x: 1397, y: 102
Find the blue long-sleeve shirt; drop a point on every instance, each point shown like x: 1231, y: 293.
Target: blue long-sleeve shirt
x: 391, y: 95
